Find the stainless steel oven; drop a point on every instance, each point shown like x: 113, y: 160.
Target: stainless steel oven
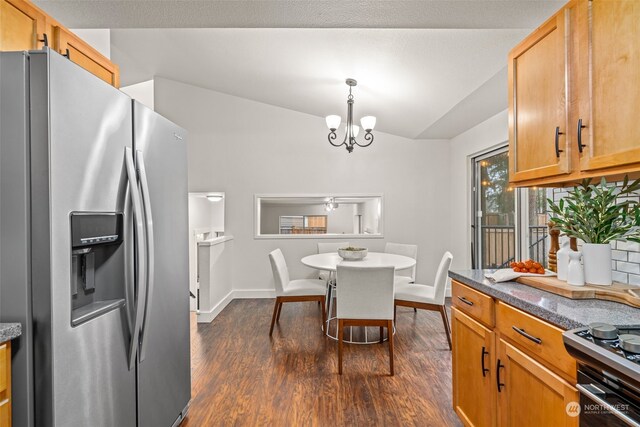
x: 606, y: 400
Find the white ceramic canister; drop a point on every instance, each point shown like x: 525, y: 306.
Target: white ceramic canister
x: 575, y: 273
x: 562, y: 259
x: 597, y: 263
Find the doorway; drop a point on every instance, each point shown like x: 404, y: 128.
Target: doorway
x: 508, y: 223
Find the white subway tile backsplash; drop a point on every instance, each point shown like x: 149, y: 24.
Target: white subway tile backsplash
x: 620, y: 255
x: 629, y: 246
x: 618, y: 276
x: 627, y: 267
x: 625, y: 255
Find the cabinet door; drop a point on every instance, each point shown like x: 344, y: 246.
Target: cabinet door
x: 538, y: 103
x: 5, y: 384
x: 531, y: 395
x: 86, y: 56
x: 473, y: 387
x: 5, y: 413
x: 609, y: 34
x: 22, y: 25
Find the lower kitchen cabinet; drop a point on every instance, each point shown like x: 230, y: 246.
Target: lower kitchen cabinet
x: 5, y: 384
x: 473, y: 370
x: 501, y: 377
x: 529, y: 393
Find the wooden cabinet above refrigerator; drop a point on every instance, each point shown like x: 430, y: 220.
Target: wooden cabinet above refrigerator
x: 23, y: 26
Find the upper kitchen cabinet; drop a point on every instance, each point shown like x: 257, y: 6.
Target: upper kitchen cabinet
x: 538, y: 113
x: 80, y: 52
x: 22, y: 25
x: 574, y: 103
x: 607, y: 84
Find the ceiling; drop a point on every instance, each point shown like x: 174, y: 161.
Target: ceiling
x: 426, y: 69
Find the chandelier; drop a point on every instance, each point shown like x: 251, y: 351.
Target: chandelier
x: 367, y: 122
x: 331, y: 205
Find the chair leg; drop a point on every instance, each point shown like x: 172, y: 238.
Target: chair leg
x: 275, y: 313
x: 279, y: 311
x: 445, y: 321
x: 381, y: 334
x: 322, y: 320
x: 390, y: 333
x: 415, y: 310
x: 340, y: 336
x: 395, y: 307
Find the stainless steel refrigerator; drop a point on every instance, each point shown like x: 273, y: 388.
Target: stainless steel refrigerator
x: 93, y: 249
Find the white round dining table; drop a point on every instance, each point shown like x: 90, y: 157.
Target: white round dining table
x: 329, y: 262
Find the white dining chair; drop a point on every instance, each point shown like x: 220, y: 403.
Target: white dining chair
x: 428, y: 297
x: 325, y: 248
x: 293, y: 290
x: 364, y: 297
x: 411, y: 251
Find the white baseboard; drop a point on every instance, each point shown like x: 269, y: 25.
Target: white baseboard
x: 253, y: 293
x: 208, y: 316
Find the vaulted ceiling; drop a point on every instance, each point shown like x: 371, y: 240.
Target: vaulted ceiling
x: 426, y: 69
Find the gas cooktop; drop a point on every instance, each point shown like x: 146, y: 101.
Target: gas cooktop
x: 611, y: 348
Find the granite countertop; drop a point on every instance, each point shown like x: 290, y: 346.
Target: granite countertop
x: 563, y: 312
x: 9, y: 331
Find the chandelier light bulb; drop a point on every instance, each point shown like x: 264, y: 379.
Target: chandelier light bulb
x: 368, y: 123
x: 333, y: 122
x: 355, y: 129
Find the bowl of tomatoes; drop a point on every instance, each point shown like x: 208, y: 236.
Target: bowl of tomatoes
x: 527, y: 266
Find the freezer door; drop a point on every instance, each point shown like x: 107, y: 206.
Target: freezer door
x: 80, y: 127
x: 164, y: 377
x: 15, y: 283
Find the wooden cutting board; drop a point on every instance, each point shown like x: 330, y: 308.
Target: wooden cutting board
x: 617, y: 292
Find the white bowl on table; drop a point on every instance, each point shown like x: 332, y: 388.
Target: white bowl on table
x: 353, y: 255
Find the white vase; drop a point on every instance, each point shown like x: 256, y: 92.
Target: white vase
x: 575, y: 273
x: 562, y: 259
x: 597, y: 263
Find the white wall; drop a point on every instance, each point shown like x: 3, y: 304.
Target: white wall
x: 491, y: 133
x: 99, y: 39
x: 244, y: 147
x: 141, y: 92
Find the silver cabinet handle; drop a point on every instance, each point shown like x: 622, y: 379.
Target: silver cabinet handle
x: 526, y: 335
x: 466, y: 301
x: 150, y: 248
x: 141, y: 274
x: 584, y: 389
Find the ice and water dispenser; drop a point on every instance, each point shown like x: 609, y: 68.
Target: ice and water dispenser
x: 97, y: 265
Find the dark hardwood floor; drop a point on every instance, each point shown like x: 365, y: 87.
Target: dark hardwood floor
x: 243, y: 377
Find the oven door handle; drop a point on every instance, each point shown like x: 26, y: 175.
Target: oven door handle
x: 584, y: 389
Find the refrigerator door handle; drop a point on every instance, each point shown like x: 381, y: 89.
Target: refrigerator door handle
x: 142, y: 173
x: 141, y: 255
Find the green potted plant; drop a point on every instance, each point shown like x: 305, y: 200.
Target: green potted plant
x: 598, y: 215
